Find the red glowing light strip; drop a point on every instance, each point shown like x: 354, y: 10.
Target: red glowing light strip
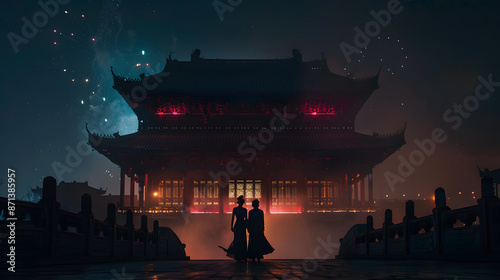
x: 319, y: 114
x: 173, y: 113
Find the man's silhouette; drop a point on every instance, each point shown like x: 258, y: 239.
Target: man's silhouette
x: 258, y: 246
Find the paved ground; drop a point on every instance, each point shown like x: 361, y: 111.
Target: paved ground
x: 267, y: 269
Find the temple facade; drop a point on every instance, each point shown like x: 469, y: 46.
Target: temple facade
x: 279, y: 130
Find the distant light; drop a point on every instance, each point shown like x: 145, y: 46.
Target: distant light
x: 418, y: 194
x: 93, y: 39
x: 65, y: 12
x: 55, y: 31
x: 64, y: 70
x: 472, y: 192
x: 143, y: 52
x: 104, y: 99
x: 83, y: 16
x: 155, y: 194
x: 82, y: 102
x: 72, y: 34
x: 106, y: 120
x: 138, y: 64
x: 86, y: 80
x: 459, y: 192
x: 55, y: 43
x: 72, y: 80
x: 386, y: 195
x: 404, y: 194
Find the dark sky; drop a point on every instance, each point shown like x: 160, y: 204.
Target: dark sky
x: 431, y: 55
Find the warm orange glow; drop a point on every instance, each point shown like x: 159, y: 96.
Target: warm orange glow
x: 155, y: 194
x: 433, y: 198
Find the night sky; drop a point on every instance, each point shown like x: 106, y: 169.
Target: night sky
x: 431, y: 55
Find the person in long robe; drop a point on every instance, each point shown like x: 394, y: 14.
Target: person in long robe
x: 258, y: 246
x: 238, y: 248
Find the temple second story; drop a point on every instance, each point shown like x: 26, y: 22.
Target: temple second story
x: 243, y: 92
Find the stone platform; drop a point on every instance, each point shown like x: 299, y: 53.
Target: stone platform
x: 267, y: 269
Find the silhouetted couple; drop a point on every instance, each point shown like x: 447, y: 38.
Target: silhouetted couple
x: 258, y: 246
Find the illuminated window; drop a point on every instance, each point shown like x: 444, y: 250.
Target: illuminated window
x: 206, y: 196
x: 170, y: 193
x: 284, y: 193
x: 322, y: 194
x: 249, y: 189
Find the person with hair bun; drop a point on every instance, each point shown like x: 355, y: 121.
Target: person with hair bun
x: 238, y: 248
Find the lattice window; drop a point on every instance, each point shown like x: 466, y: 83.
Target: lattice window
x: 250, y: 189
x: 322, y: 194
x: 206, y: 196
x: 170, y: 193
x: 284, y: 193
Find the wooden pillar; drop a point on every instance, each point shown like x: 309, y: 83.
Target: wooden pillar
x: 122, y: 188
x: 267, y: 193
x: 132, y: 191
x: 348, y: 179
x: 341, y: 203
x: 221, y: 197
x: 189, y: 189
x: 142, y: 184
x: 356, y: 193
x: 362, y: 191
x: 147, y: 191
x: 370, y: 191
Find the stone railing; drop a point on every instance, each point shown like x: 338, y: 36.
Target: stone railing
x: 467, y: 233
x: 46, y: 234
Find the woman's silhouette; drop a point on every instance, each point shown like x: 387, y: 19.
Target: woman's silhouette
x: 258, y: 246
x: 238, y: 248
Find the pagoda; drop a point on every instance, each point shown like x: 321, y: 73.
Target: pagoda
x: 278, y: 130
